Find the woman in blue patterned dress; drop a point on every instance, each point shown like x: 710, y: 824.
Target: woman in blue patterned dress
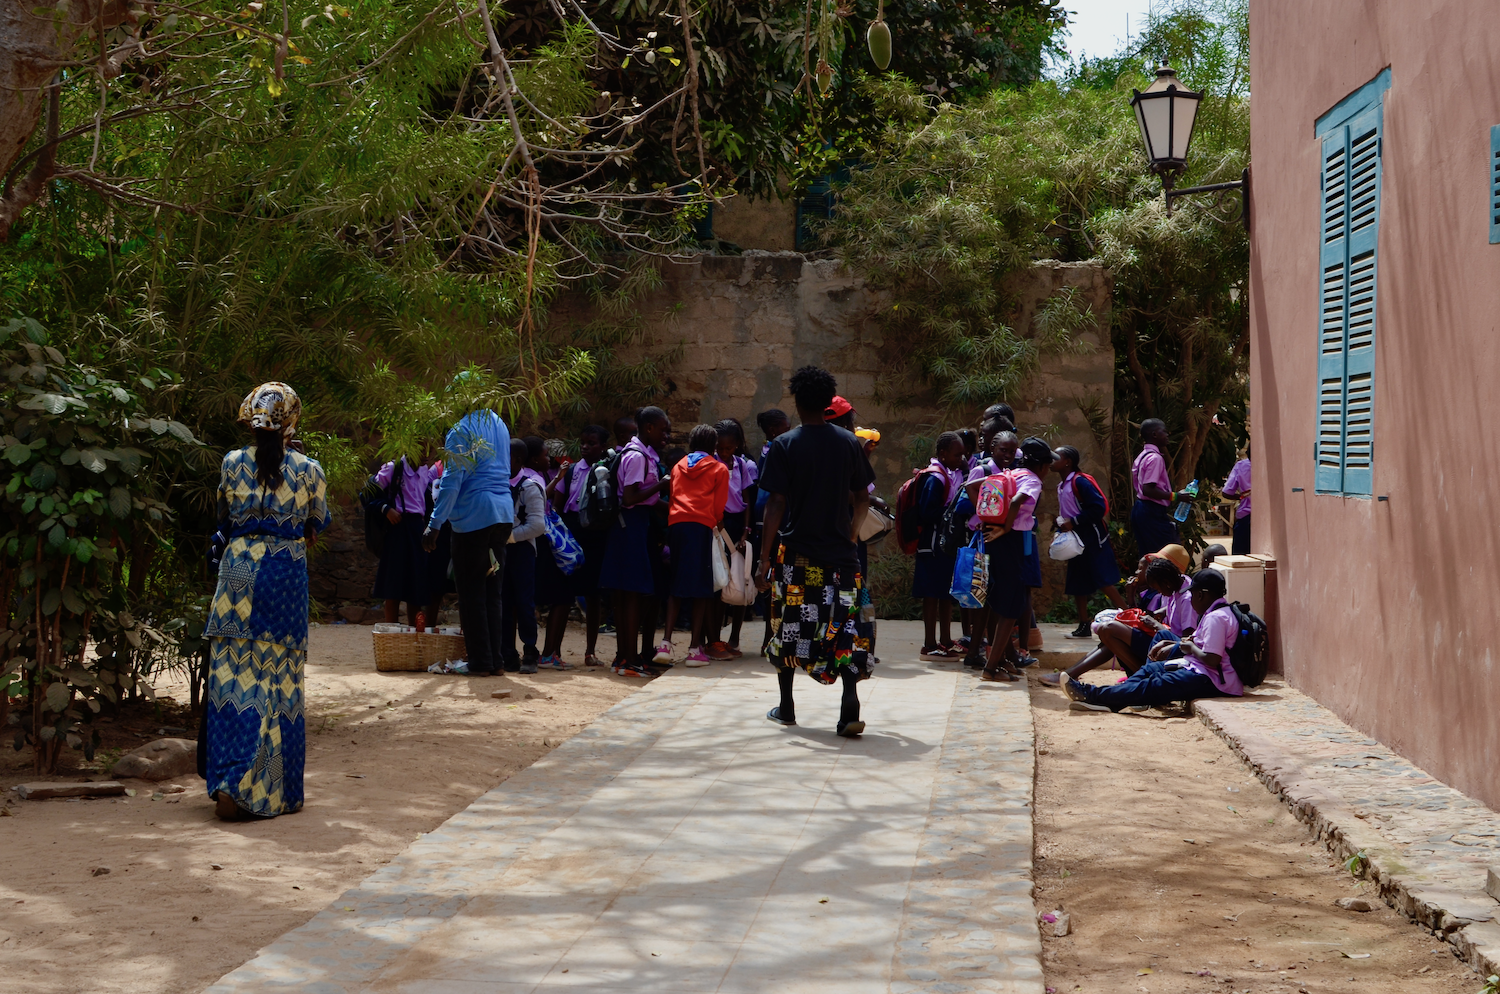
x: 271, y: 506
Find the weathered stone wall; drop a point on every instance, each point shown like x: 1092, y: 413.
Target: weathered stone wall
x: 746, y: 322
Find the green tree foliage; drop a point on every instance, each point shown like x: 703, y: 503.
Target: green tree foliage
x: 89, y: 460
x: 956, y: 197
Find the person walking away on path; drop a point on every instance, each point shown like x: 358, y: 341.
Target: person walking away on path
x: 742, y: 490
x: 567, y: 494
x: 404, y: 573
x: 1178, y: 671
x: 1016, y: 564
x: 1082, y: 509
x: 818, y: 478
x: 628, y: 567
x: 1172, y: 619
x: 773, y: 424
x: 519, y: 584
x: 1238, y: 485
x: 932, y: 574
x: 272, y: 502
x: 1151, y: 517
x: 474, y: 497
x: 1001, y: 452
x: 700, y: 486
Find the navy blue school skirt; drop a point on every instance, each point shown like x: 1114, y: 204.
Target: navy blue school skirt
x: 627, y: 562
x: 1094, y: 568
x: 1009, y: 569
x: 933, y: 576
x: 402, y: 574
x: 1153, y: 526
x: 584, y: 582
x: 552, y: 584
x: 692, y: 559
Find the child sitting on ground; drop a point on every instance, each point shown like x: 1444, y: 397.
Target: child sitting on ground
x: 1184, y: 671
x: 700, y: 486
x: 1131, y: 645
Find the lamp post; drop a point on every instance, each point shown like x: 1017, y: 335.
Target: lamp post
x: 1166, y: 112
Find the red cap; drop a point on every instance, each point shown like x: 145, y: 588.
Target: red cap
x: 838, y: 408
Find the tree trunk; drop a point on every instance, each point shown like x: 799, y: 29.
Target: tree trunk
x: 33, y: 47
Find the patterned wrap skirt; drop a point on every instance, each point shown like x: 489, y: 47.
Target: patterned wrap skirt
x: 818, y: 619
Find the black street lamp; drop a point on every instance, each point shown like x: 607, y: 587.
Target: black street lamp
x: 1166, y: 113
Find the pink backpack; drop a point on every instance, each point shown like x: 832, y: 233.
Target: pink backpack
x: 995, y: 495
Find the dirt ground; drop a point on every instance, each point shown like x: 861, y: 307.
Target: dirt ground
x: 389, y: 756
x: 1182, y: 874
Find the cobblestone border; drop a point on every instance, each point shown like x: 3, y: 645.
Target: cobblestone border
x: 1455, y: 917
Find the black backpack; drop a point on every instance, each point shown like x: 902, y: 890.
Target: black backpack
x: 375, y: 499
x: 952, y: 529
x: 599, y: 508
x: 1250, y: 654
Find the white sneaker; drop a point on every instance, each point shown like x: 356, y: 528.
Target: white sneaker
x: 663, y: 653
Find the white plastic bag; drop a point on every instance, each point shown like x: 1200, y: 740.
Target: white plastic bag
x: 1065, y: 546
x: 720, y: 556
x: 740, y: 588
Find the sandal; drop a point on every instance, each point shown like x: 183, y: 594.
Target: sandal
x: 998, y: 676
x: 938, y: 654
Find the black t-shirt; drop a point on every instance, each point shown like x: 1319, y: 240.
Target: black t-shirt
x: 816, y: 468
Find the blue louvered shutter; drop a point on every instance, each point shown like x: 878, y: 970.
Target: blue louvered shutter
x: 1495, y: 185
x: 1346, y: 331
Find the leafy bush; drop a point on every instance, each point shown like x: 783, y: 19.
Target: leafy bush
x: 82, y: 516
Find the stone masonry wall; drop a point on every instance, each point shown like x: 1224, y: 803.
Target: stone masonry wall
x: 746, y: 322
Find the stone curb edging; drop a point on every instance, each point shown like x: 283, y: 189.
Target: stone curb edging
x: 1464, y: 920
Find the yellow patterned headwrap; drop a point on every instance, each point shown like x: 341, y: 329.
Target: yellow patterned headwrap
x: 272, y: 406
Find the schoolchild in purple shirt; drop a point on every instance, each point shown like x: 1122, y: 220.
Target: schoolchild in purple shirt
x: 742, y: 490
x: 404, y: 574
x: 1132, y: 646
x: 1151, y: 517
x: 628, y: 568
x: 1238, y: 485
x: 1184, y: 671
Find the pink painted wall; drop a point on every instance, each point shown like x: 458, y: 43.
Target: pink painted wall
x: 1390, y: 611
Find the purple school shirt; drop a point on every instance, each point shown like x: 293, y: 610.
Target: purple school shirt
x: 578, y: 475
x: 1067, y: 499
x: 1150, y: 467
x: 954, y: 478
x: 1180, y: 615
x: 1239, y: 483
x: 1028, y: 484
x: 741, y: 475
x: 638, y: 465
x: 412, y: 497
x: 1216, y: 634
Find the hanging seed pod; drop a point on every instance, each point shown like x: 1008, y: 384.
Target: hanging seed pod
x: 879, y: 40
x: 825, y: 76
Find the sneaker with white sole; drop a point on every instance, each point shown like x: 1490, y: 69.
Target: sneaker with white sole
x: 1077, y: 701
x: 697, y: 657
x: 663, y: 653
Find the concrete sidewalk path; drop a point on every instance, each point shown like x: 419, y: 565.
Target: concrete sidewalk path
x: 684, y: 843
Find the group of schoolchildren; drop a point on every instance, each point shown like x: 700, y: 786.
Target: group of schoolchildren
x: 645, y: 517
x: 1171, y: 631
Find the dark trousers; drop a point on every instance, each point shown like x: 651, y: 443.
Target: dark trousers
x: 848, y: 706
x: 1151, y: 685
x: 1241, y: 536
x: 518, y: 600
x: 1153, y: 526
x: 479, y: 593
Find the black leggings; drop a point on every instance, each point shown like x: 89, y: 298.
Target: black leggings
x: 848, y: 710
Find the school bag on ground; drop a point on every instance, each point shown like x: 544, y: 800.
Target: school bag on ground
x: 599, y: 508
x: 971, y: 574
x: 1251, y: 653
x: 907, y: 523
x: 566, y: 551
x: 995, y: 496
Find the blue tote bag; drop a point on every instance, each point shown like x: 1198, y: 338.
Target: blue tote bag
x: 971, y: 574
x: 565, y: 548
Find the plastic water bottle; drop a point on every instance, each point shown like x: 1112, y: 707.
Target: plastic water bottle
x: 1180, y: 513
